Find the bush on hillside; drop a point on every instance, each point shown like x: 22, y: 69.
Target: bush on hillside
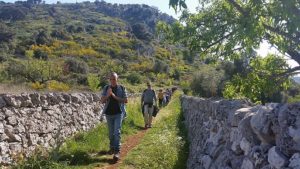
x: 160, y: 67
x: 34, y: 70
x: 134, y: 78
x: 76, y: 66
x: 40, y: 54
x: 93, y: 82
x: 5, y: 34
x: 140, y: 30
x: 207, y: 82
x: 57, y: 86
x: 12, y: 13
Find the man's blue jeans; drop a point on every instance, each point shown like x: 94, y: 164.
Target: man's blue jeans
x: 114, y: 123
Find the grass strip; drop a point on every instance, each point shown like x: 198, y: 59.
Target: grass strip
x: 164, y: 145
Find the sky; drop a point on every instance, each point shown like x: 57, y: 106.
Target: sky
x: 163, y: 6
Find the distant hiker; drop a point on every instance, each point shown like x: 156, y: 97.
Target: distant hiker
x: 160, y: 96
x: 168, y: 95
x: 114, y: 96
x: 147, y: 101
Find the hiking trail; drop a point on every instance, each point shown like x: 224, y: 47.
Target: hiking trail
x: 130, y: 142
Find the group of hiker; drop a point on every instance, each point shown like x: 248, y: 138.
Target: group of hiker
x: 115, y: 97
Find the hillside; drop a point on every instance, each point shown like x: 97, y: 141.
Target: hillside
x: 73, y: 46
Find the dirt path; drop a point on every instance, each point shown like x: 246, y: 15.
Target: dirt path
x: 129, y: 144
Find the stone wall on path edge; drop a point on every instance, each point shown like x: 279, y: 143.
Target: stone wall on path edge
x: 232, y: 134
x: 31, y: 120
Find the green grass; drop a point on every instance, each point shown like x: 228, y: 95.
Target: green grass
x: 164, y: 145
x: 294, y: 99
x: 81, y: 150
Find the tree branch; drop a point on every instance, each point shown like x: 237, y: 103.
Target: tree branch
x: 289, y: 72
x: 219, y: 40
x: 238, y: 7
x: 278, y: 31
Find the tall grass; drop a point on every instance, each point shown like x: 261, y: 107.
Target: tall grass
x: 80, y: 151
x: 165, y: 145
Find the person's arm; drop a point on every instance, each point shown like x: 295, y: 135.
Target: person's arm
x: 142, y: 99
x: 106, y: 93
x: 155, y: 98
x: 119, y: 99
x: 123, y: 98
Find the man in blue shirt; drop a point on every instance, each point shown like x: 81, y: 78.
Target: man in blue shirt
x: 147, y: 101
x: 114, y: 96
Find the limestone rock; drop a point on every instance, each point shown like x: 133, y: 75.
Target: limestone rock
x: 261, y: 124
x: 247, y: 164
x: 295, y: 161
x: 236, y: 116
x: 206, y: 161
x: 246, y: 130
x: 294, y: 133
x: 13, y: 100
x: 2, y: 102
x: 245, y: 146
x: 1, y: 127
x: 35, y: 99
x: 276, y: 158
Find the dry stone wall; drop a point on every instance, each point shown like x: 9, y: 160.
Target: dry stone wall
x: 31, y: 120
x: 232, y: 134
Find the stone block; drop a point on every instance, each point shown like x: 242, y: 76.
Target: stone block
x: 2, y: 102
x: 295, y: 161
x: 245, y: 146
x: 206, y: 161
x: 235, y: 117
x: 247, y: 164
x: 1, y: 127
x: 276, y: 158
x: 261, y: 124
x: 294, y: 133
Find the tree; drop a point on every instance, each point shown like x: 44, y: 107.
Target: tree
x: 223, y: 27
x: 141, y: 32
x: 5, y: 34
x: 207, y: 81
x: 12, y: 13
x: 261, y: 84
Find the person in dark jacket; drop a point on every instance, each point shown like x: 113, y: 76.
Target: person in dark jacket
x: 114, y: 96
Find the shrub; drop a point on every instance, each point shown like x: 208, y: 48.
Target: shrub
x: 5, y: 34
x: 39, y: 54
x: 12, y: 13
x: 60, y: 34
x: 42, y: 38
x: 207, y: 82
x: 34, y: 70
x: 57, y: 86
x: 93, y: 82
x: 185, y: 86
x: 160, y: 67
x: 134, y: 78
x: 76, y: 66
x: 37, y: 86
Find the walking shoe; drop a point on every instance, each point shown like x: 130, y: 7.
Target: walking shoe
x: 150, y: 126
x: 116, y: 156
x: 146, y: 126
